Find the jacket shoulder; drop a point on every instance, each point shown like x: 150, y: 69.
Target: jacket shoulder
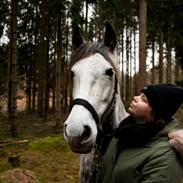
x: 162, y: 165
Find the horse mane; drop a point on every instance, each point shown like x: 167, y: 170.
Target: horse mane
x: 88, y: 49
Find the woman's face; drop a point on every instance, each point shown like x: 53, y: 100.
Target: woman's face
x: 140, y: 108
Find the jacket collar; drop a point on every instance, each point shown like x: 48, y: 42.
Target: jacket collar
x: 174, y: 124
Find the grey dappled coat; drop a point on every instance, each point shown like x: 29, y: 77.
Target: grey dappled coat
x: 155, y: 162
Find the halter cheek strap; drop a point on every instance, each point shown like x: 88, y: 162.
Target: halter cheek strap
x: 111, y: 106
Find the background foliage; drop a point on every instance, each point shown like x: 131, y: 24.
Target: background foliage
x: 44, y: 34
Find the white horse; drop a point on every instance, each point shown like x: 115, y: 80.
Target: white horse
x: 97, y: 106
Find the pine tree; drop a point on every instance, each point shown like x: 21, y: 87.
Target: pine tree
x: 142, y: 44
x: 12, y: 90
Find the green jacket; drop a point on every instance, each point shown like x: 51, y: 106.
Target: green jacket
x: 156, y: 162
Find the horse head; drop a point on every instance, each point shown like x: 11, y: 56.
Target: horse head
x: 95, y: 74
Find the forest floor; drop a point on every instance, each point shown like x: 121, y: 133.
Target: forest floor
x: 39, y: 148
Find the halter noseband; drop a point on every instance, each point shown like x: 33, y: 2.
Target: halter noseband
x: 88, y: 106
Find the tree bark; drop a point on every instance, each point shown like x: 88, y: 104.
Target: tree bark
x: 47, y: 82
x: 28, y: 87
x: 86, y: 20
x: 58, y: 68
x: 177, y: 70
x: 142, y: 44
x: 12, y: 89
x: 127, y: 63
x: 135, y: 64
x: 35, y: 60
x: 153, y: 64
x: 169, y: 63
x: 43, y: 58
x: 161, y: 57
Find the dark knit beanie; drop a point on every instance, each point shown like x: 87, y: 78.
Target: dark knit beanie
x: 165, y: 99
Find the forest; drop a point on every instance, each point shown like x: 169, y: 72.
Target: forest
x: 36, y: 47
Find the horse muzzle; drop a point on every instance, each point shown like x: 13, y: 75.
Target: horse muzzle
x: 82, y: 143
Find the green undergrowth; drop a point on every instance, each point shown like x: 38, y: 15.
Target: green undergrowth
x: 48, y: 143
x: 48, y: 157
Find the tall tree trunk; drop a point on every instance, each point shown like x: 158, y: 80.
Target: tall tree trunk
x: 135, y: 63
x: 161, y: 73
x: 28, y: 87
x: 54, y: 85
x: 42, y: 59
x: 47, y: 82
x: 169, y: 63
x: 58, y: 68
x: 177, y: 70
x: 130, y: 63
x: 34, y: 88
x: 35, y: 59
x: 65, y: 86
x: 29, y: 70
x: 153, y: 64
x: 12, y: 90
x: 127, y: 62
x: 122, y: 63
x: 142, y: 44
x: 86, y: 20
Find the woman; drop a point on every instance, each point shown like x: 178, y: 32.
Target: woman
x: 140, y: 151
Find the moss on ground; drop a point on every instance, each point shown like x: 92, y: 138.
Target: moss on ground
x: 48, y: 143
x: 48, y: 157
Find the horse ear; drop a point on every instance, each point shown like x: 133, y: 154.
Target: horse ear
x: 110, y: 37
x: 77, y: 39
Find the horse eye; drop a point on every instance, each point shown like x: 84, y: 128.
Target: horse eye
x: 72, y: 74
x: 109, y: 72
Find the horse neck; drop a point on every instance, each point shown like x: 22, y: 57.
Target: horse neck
x: 86, y: 160
x: 120, y: 111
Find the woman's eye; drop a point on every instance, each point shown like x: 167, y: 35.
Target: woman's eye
x: 109, y: 72
x: 145, y: 99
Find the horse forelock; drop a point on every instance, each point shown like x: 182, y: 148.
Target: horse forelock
x: 88, y: 49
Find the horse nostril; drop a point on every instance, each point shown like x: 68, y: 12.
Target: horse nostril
x: 86, y: 133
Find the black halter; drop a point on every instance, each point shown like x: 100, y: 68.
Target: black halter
x: 87, y: 105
